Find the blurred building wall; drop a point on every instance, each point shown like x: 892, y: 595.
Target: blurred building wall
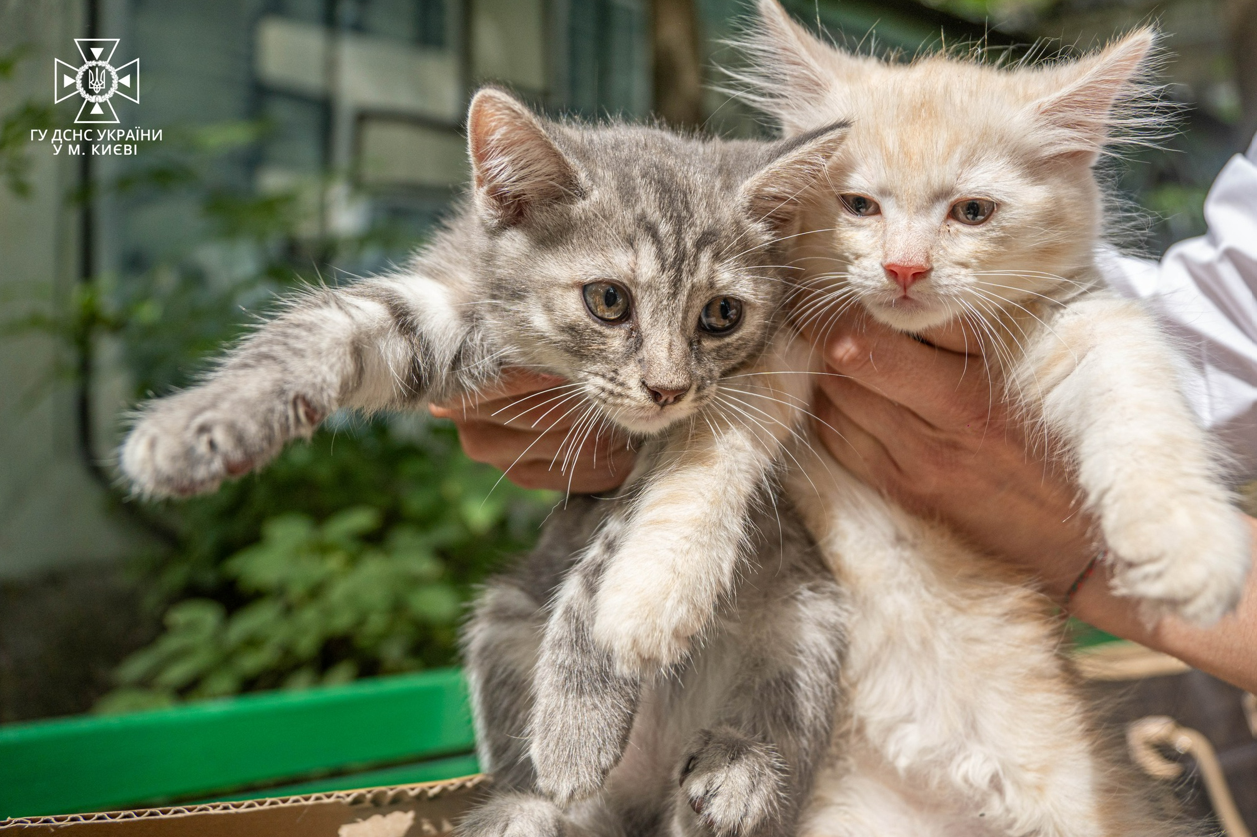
x: 363, y: 103
x: 53, y: 512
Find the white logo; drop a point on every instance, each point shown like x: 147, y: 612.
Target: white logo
x: 96, y: 81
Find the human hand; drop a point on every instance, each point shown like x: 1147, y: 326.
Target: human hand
x: 927, y: 425
x: 523, y: 427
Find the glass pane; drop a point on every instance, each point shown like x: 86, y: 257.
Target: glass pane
x: 406, y: 154
x: 508, y: 42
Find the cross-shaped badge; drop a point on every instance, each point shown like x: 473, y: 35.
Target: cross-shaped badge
x: 96, y: 81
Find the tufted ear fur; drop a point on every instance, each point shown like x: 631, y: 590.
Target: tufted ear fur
x: 791, y: 72
x: 516, y: 166
x: 1100, y: 99
x: 775, y: 194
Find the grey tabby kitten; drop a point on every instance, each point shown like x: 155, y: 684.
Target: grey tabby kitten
x: 729, y: 742
x: 644, y: 268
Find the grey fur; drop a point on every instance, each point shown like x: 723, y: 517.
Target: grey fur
x: 678, y: 221
x: 668, y: 214
x: 727, y: 743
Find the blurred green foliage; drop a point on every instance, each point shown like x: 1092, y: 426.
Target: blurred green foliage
x: 15, y: 129
x: 351, y: 555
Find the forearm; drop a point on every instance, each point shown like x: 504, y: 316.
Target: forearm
x: 1227, y: 650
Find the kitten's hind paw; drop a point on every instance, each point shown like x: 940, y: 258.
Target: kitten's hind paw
x: 513, y: 815
x: 582, y: 710
x: 731, y: 781
x: 1188, y: 558
x: 578, y: 737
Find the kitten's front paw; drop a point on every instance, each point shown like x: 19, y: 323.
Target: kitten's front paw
x: 513, y: 815
x: 189, y: 443
x: 1188, y: 557
x: 733, y: 782
x: 646, y: 615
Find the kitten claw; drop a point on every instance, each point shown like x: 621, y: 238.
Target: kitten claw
x: 732, y: 782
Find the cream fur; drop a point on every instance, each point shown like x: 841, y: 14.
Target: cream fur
x: 684, y: 553
x: 963, y: 718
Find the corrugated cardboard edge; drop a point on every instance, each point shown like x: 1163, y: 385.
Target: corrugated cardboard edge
x: 436, y: 805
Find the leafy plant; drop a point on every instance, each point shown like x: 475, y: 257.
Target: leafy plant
x: 325, y: 601
x: 349, y: 556
x: 15, y: 129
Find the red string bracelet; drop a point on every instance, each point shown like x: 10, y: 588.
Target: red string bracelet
x: 1084, y: 575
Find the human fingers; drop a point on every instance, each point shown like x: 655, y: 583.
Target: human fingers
x: 940, y: 386
x: 501, y: 446
x: 856, y: 449
x: 546, y: 458
x: 584, y: 476
x: 514, y: 385
x: 896, y: 427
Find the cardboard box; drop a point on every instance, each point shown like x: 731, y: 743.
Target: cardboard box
x: 406, y: 811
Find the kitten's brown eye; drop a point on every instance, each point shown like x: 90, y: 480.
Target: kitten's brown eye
x: 860, y: 205
x: 720, y: 315
x: 607, y: 301
x: 972, y: 211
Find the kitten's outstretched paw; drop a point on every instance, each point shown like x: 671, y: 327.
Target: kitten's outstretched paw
x: 513, y: 815
x: 1187, y: 558
x: 643, y: 617
x: 731, y: 781
x: 189, y: 443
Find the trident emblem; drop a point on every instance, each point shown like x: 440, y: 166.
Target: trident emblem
x: 96, y: 81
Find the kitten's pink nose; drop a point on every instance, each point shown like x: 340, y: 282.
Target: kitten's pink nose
x: 664, y: 397
x: 906, y: 275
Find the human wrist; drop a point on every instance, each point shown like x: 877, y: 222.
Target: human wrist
x: 1227, y: 650
x: 1095, y: 603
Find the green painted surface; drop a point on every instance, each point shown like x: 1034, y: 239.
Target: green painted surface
x: 386, y: 777
x: 98, y: 763
x: 1085, y: 636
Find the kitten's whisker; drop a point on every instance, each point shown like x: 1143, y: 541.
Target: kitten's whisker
x: 525, y: 451
x: 776, y: 240
x: 561, y: 389
x: 569, y: 397
x: 571, y: 435
x: 1041, y: 322
x: 783, y: 447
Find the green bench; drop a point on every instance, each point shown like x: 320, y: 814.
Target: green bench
x: 383, y: 731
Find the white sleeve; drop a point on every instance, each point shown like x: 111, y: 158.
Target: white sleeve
x: 1204, y: 290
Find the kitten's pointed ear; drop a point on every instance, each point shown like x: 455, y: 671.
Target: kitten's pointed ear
x: 515, y: 164
x: 790, y: 71
x: 776, y: 193
x: 1101, y: 99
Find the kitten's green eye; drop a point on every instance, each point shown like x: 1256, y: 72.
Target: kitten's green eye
x: 972, y: 211
x: 607, y: 301
x: 720, y: 315
x: 860, y: 205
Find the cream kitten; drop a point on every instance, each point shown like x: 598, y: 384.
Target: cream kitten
x: 967, y: 192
